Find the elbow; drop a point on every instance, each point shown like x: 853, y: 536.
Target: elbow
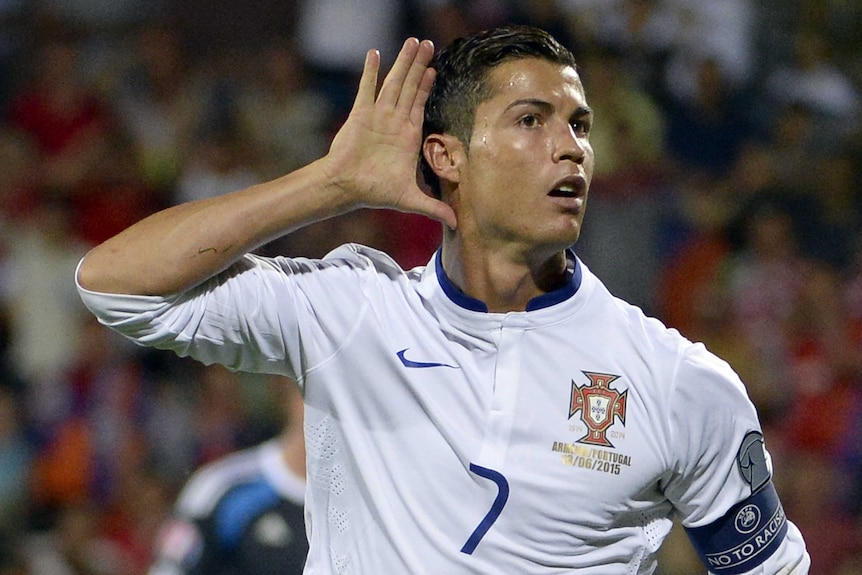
x: 87, y: 275
x: 96, y: 273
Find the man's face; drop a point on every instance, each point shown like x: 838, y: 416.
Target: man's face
x: 529, y: 164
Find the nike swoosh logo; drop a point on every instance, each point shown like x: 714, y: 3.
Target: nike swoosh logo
x: 420, y: 364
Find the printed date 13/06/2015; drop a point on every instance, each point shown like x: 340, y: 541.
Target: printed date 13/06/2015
x: 589, y: 463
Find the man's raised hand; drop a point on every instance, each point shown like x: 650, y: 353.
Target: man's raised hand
x: 374, y: 155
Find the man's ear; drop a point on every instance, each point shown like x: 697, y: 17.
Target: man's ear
x: 445, y: 155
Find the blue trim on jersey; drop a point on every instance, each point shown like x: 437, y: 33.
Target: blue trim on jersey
x: 561, y: 294
x: 745, y: 537
x: 545, y: 300
x: 239, y: 507
x: 453, y: 292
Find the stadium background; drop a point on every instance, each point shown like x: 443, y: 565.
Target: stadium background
x: 726, y: 202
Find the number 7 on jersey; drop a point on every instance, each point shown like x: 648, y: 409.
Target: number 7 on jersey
x: 496, y: 507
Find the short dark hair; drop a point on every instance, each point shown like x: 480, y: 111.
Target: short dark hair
x: 462, y: 73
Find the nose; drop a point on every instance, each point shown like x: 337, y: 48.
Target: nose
x: 570, y: 145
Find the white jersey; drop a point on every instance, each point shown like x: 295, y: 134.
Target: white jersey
x: 443, y: 439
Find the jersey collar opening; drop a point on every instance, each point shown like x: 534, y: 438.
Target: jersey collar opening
x: 560, y: 294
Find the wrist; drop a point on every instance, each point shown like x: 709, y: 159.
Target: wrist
x: 334, y: 184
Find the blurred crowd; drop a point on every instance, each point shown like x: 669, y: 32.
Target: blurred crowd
x: 726, y: 202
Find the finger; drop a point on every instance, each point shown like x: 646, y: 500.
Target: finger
x: 415, y: 76
x: 394, y: 81
x: 368, y: 81
x: 417, y: 113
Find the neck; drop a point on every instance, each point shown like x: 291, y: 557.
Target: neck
x: 504, y: 281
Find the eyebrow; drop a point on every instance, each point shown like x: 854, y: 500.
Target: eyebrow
x: 579, y: 112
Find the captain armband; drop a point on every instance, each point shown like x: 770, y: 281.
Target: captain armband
x: 745, y: 537
x: 752, y: 530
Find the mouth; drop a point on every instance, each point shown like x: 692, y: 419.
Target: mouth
x: 572, y: 187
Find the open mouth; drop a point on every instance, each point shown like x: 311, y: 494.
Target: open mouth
x: 569, y: 188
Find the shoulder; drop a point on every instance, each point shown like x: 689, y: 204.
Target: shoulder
x: 647, y: 336
x: 687, y: 362
x: 346, y: 260
x: 365, y: 257
x: 683, y: 366
x: 207, y: 487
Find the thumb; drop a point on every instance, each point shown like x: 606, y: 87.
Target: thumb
x: 422, y: 203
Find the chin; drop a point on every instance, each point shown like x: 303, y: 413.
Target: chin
x: 569, y: 236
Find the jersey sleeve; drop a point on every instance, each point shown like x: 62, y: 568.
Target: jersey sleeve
x: 261, y: 315
x: 721, y: 485
x: 232, y: 319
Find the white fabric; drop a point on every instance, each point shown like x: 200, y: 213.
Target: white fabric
x: 390, y: 447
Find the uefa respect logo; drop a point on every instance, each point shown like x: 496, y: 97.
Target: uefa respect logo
x: 747, y: 519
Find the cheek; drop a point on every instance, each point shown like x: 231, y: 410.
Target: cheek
x: 590, y: 156
x: 518, y: 159
x: 504, y: 166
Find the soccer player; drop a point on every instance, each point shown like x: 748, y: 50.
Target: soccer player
x: 244, y: 513
x: 496, y: 411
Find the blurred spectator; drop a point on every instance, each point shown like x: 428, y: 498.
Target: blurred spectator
x: 20, y: 183
x: 333, y: 37
x: 62, y: 113
x: 279, y: 113
x: 706, y: 129
x: 162, y: 104
x: 628, y: 139
x: 172, y: 447
x: 217, y: 164
x: 444, y: 20
x: 765, y: 282
x: 811, y: 79
x: 719, y: 32
x: 243, y: 514
x: 220, y: 418
x: 821, y: 360
x: 108, y: 200
x: 14, y: 34
x: 133, y: 519
x: 95, y: 16
x: 688, y: 294
x: 45, y: 318
x: 808, y: 489
x: 15, y: 459
x: 791, y: 163
x: 88, y: 423
x: 767, y: 229
x: 12, y: 560
x: 646, y: 31
x: 75, y: 545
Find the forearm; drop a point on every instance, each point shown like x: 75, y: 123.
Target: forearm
x: 371, y: 163
x: 181, y: 246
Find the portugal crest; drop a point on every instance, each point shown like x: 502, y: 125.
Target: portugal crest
x: 599, y: 406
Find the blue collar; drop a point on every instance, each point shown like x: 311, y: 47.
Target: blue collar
x: 545, y: 300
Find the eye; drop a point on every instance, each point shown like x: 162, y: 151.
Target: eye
x: 581, y: 128
x: 529, y: 121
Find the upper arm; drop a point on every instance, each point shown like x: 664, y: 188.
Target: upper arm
x: 722, y: 483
